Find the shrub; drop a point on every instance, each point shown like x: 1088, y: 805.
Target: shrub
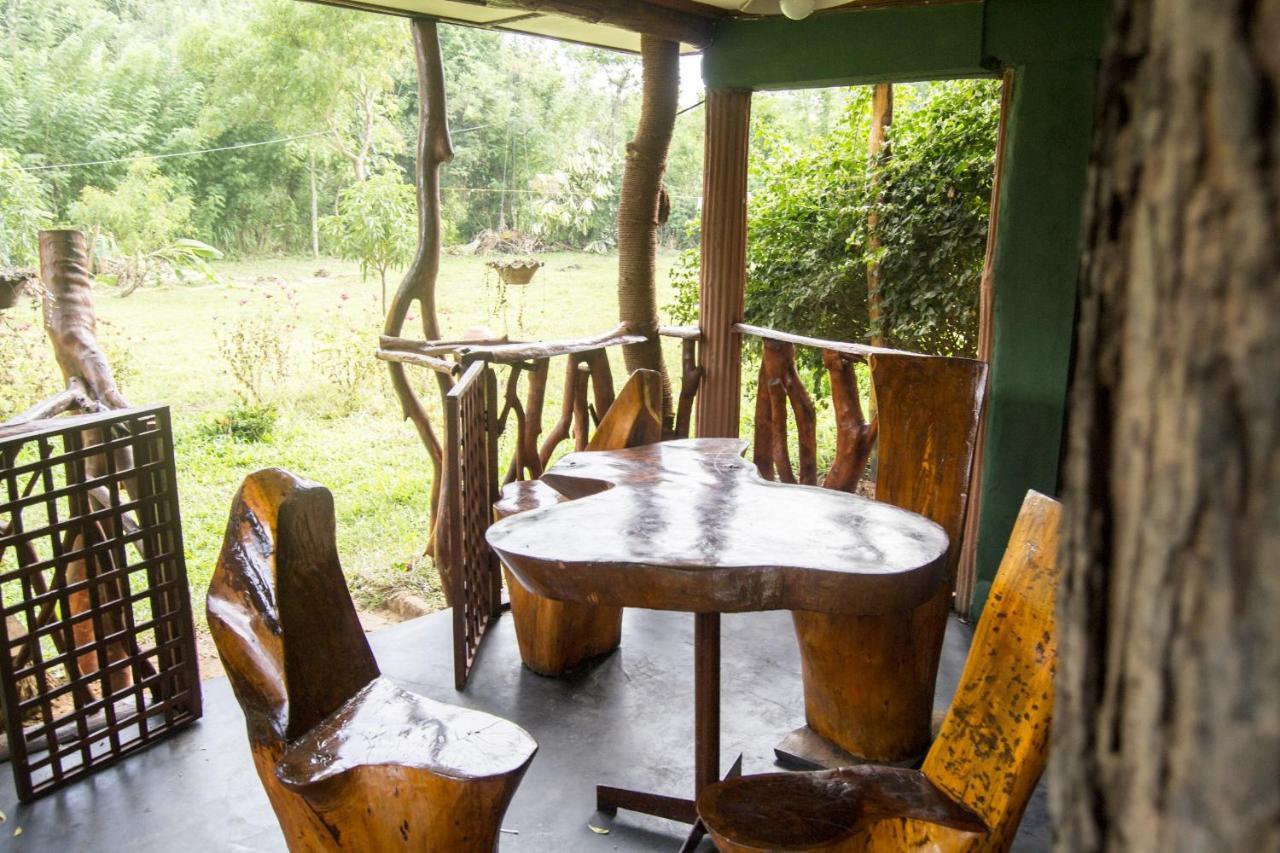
x: 28, y: 372
x: 246, y: 422
x: 345, y: 361
x: 145, y: 211
x: 22, y: 212
x: 255, y: 345
x: 808, y: 254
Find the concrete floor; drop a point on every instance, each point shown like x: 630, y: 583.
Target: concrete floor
x: 628, y: 721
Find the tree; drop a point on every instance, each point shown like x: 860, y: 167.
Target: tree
x: 22, y: 213
x: 374, y: 225
x: 810, y: 205
x: 640, y: 209
x: 1167, y: 733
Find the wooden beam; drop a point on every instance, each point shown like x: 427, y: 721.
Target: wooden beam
x: 724, y: 259
x: 648, y: 18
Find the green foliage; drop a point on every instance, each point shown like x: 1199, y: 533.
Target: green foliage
x: 28, y: 372
x: 245, y: 422
x: 22, y: 212
x: 808, y: 252
x: 577, y: 205
x: 144, y: 212
x: 375, y: 224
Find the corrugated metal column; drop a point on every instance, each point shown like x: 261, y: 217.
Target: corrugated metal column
x: 724, y: 259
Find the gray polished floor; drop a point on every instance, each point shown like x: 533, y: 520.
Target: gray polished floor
x: 628, y: 721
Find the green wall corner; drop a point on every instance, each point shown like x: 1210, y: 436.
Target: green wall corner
x: 1036, y: 271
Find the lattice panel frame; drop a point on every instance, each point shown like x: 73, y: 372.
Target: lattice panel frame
x: 98, y: 653
x: 471, y: 489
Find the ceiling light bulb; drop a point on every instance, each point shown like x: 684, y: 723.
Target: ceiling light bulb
x: 797, y: 9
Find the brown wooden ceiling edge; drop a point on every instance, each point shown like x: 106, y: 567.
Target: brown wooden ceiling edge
x: 659, y: 18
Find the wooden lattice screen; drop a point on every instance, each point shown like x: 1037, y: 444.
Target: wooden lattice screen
x: 471, y: 488
x: 99, y: 655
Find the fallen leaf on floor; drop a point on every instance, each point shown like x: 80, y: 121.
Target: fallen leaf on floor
x: 598, y: 830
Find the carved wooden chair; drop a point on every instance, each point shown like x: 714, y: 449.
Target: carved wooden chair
x: 869, y: 680
x: 349, y: 760
x: 979, y: 773
x: 557, y: 636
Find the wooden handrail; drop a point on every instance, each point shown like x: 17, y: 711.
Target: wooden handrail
x: 684, y: 333
x: 518, y: 352
x: 803, y: 340
x: 439, y: 365
x: 414, y: 345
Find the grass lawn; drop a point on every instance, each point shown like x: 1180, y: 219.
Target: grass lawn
x: 338, y: 422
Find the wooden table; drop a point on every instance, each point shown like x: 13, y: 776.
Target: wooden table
x: 689, y: 525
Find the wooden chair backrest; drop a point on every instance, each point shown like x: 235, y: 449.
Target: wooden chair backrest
x: 635, y: 416
x: 279, y: 609
x: 995, y: 738
x: 928, y: 427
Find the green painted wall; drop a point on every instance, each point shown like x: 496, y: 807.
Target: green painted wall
x: 1052, y: 46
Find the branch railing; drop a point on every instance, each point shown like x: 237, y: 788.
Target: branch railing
x: 588, y: 392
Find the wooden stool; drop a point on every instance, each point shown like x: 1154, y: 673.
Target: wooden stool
x: 979, y: 773
x: 349, y: 760
x: 558, y: 636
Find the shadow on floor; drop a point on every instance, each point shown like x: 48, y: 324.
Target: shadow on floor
x: 626, y: 721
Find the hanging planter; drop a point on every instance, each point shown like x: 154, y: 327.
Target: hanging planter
x: 517, y: 271
x: 12, y: 283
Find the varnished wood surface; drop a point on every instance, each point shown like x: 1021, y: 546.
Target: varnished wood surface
x: 689, y: 525
x: 383, y: 724
x: 822, y: 810
x: 984, y: 764
x: 558, y: 636
x: 348, y: 760
x: 869, y: 681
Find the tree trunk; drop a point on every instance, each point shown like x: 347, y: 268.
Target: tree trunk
x: 315, y: 206
x: 1167, y: 729
x: 639, y: 209
x: 419, y: 284
x: 879, y: 149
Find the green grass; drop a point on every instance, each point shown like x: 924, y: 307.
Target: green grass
x: 355, y: 443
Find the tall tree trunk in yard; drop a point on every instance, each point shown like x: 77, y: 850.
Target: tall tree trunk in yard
x: 1167, y: 728
x: 878, y: 148
x: 419, y: 284
x: 642, y: 206
x: 315, y: 206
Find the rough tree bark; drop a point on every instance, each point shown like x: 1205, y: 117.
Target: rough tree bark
x: 642, y: 207
x: 1168, y: 724
x: 879, y: 149
x: 434, y: 149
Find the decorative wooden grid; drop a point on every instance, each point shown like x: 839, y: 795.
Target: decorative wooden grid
x: 471, y: 488
x: 99, y: 654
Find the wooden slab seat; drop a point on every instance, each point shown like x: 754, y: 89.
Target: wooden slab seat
x: 979, y: 774
x: 558, y: 636
x: 349, y: 760
x: 869, y: 680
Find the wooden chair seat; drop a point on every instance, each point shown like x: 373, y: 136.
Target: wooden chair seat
x: 348, y: 760
x: 386, y: 726
x: 824, y: 810
x: 558, y: 636
x: 980, y: 772
x: 525, y: 496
